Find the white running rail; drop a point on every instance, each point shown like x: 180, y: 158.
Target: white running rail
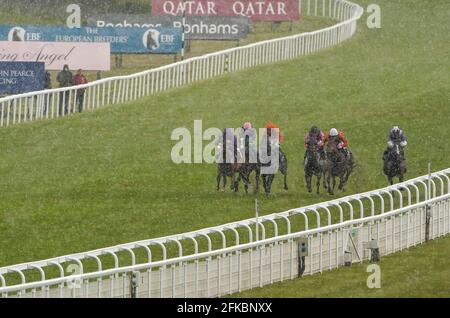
x: 59, y: 102
x: 225, y: 259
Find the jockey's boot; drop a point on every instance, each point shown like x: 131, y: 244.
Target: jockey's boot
x: 402, y: 154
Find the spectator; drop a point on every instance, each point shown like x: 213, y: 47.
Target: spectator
x: 80, y: 79
x: 65, y: 79
x: 47, y: 85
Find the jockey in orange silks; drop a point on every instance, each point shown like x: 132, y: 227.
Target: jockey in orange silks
x: 270, y: 125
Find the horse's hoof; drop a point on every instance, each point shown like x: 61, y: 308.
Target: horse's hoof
x: 286, y: 188
x: 309, y: 191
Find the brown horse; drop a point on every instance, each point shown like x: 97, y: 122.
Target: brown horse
x: 313, y: 165
x: 230, y: 169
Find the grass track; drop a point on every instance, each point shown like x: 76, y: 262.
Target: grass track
x: 106, y: 177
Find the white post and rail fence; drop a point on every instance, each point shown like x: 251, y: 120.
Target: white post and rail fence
x: 230, y: 258
x: 61, y: 102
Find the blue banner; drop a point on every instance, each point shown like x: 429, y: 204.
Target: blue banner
x: 21, y: 77
x: 163, y: 40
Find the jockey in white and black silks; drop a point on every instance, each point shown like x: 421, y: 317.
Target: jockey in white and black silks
x: 397, y: 136
x: 338, y: 137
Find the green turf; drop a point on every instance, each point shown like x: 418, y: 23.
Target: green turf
x: 106, y: 177
x: 421, y: 271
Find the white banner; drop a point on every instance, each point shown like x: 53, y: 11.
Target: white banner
x: 86, y: 56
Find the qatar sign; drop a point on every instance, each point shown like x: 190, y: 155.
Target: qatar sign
x: 256, y: 10
x: 86, y: 56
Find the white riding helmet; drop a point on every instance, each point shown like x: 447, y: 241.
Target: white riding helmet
x: 333, y: 132
x: 395, y: 128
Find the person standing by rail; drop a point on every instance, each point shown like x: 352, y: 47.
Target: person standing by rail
x: 80, y: 79
x: 65, y: 79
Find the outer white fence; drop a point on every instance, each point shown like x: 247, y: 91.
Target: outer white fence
x: 232, y: 259
x: 62, y: 102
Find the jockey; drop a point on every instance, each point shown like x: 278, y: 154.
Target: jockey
x: 397, y: 136
x: 270, y: 125
x: 276, y: 142
x: 317, y: 135
x: 338, y: 137
x: 247, y: 140
x: 224, y: 142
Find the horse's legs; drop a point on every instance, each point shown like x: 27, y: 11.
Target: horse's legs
x: 246, y: 178
x: 218, y: 181
x: 264, y: 180
x: 269, y: 183
x: 341, y: 182
x: 257, y: 174
x: 234, y: 182
x: 390, y: 180
x: 224, y: 181
x: 318, y: 183
x: 285, y: 182
x: 329, y: 188
x: 246, y: 182
x: 308, y: 182
x: 333, y: 185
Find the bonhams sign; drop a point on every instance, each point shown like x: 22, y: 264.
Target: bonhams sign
x: 256, y: 10
x: 87, y: 56
x: 198, y: 28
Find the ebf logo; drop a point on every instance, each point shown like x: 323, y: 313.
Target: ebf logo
x: 17, y: 34
x: 151, y: 39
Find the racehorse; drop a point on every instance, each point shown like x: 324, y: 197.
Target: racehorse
x: 282, y: 167
x: 336, y: 165
x: 313, y: 165
x: 394, y: 163
x: 226, y: 169
x: 246, y: 170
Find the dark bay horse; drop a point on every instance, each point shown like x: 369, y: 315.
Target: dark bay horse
x: 313, y: 165
x: 247, y: 169
x: 394, y: 163
x: 282, y: 167
x: 228, y: 169
x: 336, y: 165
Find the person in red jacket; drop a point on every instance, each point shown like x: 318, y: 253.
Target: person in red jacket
x: 338, y: 137
x: 80, y: 79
